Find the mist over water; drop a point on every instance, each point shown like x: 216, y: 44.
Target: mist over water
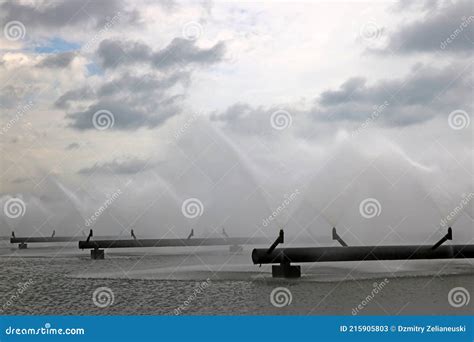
x: 303, y: 188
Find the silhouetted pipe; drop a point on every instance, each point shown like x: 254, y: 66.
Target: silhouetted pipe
x: 170, y: 242
x: 45, y: 239
x: 224, y: 233
x: 335, y: 236
x: 280, y: 239
x: 91, y: 234
x: 448, y: 236
x: 322, y: 254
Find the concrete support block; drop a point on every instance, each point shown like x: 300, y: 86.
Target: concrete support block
x: 286, y: 271
x: 22, y: 246
x: 97, y: 254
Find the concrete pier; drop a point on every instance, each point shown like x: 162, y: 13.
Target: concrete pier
x: 97, y: 254
x: 286, y: 270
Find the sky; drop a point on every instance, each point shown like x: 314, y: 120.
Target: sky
x: 163, y: 116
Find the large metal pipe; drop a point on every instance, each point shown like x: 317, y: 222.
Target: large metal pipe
x: 44, y: 239
x: 170, y: 242
x: 321, y: 254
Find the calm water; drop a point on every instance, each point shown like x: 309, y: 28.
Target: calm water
x: 62, y: 281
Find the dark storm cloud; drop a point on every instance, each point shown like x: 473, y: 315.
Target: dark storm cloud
x: 123, y: 167
x: 57, y: 61
x: 58, y: 14
x: 180, y: 52
x: 444, y: 27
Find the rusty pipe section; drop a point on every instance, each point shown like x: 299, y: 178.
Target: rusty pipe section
x: 323, y: 254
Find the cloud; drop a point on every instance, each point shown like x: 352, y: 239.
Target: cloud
x: 57, y: 61
x: 59, y: 14
x: 423, y: 93
x: 10, y: 96
x: 182, y: 51
x: 115, y: 52
x: 20, y: 180
x: 179, y: 53
x: 72, y: 146
x: 135, y: 101
x: 142, y: 83
x: 84, y: 93
x: 127, y: 115
x: 234, y: 112
x: 448, y: 26
x: 126, y: 166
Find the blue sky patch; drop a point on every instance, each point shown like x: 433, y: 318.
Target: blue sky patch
x: 94, y: 69
x: 56, y: 45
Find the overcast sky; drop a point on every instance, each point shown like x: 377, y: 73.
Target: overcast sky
x: 170, y: 115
